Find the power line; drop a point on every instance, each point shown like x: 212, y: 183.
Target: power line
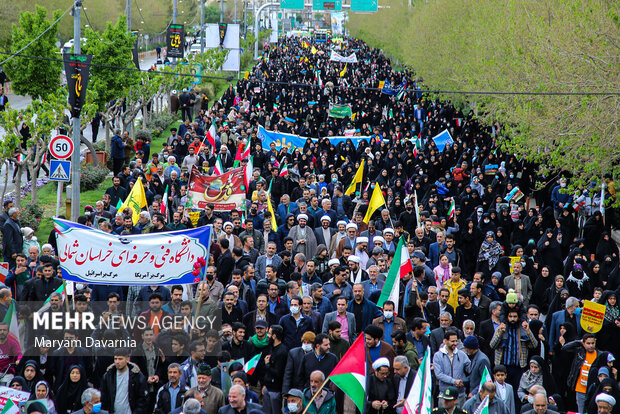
x: 36, y: 38
x: 305, y: 85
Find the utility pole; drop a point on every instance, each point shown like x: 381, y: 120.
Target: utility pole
x: 221, y: 11
x: 202, y: 26
x: 245, y: 19
x: 174, y: 11
x: 235, y: 11
x: 75, y: 157
x: 128, y: 12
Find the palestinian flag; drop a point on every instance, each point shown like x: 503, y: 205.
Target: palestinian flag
x: 420, y: 397
x: 218, y: 169
x: 210, y: 136
x: 46, y: 306
x: 401, y: 266
x: 451, y: 211
x: 237, y: 156
x: 251, y: 365
x: 163, y: 208
x: 11, y: 319
x: 350, y: 373
x: 10, y: 407
x: 284, y: 170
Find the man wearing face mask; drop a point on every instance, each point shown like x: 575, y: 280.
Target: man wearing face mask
x: 389, y: 322
x: 294, y: 400
x: 559, y: 198
x: 408, y: 217
x: 295, y: 324
x: 292, y: 373
x: 91, y: 402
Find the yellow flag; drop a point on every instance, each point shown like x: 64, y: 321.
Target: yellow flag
x: 357, y: 179
x: 353, y: 118
x: 344, y: 70
x: 381, y: 84
x: 246, y: 75
x: 313, y: 50
x: 592, y: 316
x: 376, y: 201
x: 274, y: 223
x: 135, y: 200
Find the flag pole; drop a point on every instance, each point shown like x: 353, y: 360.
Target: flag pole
x: 315, y: 395
x: 64, y: 285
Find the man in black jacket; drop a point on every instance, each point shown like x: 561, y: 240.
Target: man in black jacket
x: 225, y: 263
x: 124, y: 387
x: 165, y: 401
x: 320, y: 359
x: 43, y: 288
x: 12, y: 239
x: 275, y: 362
x: 154, y: 374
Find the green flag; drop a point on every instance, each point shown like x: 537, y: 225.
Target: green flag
x: 340, y: 111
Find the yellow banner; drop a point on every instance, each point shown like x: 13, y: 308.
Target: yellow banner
x: 194, y: 216
x: 513, y: 260
x: 592, y: 316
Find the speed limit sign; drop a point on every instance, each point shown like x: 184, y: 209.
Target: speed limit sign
x: 61, y: 147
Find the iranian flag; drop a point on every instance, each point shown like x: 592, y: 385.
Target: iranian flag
x: 451, y: 211
x: 163, y: 208
x: 401, y: 265
x: 218, y: 169
x: 246, y: 151
x: 46, y: 306
x: 10, y: 407
x: 420, y: 397
x: 350, y: 373
x: 284, y: 170
x: 211, y: 134
x: 483, y: 408
x: 11, y: 319
x: 251, y: 365
x: 247, y: 174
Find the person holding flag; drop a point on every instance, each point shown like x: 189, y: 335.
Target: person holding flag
x: 484, y: 402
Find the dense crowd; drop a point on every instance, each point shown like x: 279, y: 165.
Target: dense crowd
x: 503, y: 259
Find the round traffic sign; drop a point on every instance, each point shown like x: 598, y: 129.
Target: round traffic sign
x: 61, y: 147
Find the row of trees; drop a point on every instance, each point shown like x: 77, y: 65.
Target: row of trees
x: 116, y: 89
x: 516, y: 46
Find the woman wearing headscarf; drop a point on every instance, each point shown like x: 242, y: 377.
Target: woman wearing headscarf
x: 68, y: 398
x: 609, y: 336
x: 593, y: 231
x: 558, y: 303
x: 31, y: 375
x: 542, y: 283
x: 605, y: 247
x: 607, y: 386
x: 18, y: 383
x: 562, y: 360
x: 578, y: 283
x: 42, y: 392
x: 542, y: 348
x: 603, y: 360
x: 533, y: 376
x: 489, y: 254
x: 470, y: 237
x: 551, y: 251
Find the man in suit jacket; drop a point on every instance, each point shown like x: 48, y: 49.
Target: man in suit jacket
x: 437, y: 335
x: 525, y: 293
x: 503, y: 391
x: 324, y: 232
x: 341, y: 311
x: 371, y: 233
x: 286, y: 206
x: 487, y: 327
x: 403, y: 377
x: 12, y: 238
x: 225, y: 263
x: 435, y: 249
x: 269, y: 256
x: 560, y: 317
x: 479, y: 300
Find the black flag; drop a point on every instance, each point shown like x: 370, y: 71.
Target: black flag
x: 223, y: 29
x: 77, y: 69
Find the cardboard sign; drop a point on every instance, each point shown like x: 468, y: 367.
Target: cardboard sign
x: 592, y: 316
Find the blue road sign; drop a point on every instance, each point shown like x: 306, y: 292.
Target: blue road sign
x: 61, y: 170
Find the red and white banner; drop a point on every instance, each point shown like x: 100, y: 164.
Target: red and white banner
x: 226, y: 191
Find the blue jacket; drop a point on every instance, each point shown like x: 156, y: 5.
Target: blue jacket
x: 118, y: 147
x: 370, y: 311
x: 433, y: 252
x: 558, y: 197
x: 282, y: 212
x: 328, y: 292
x: 478, y: 362
x: 447, y: 372
x: 292, y: 331
x: 557, y: 319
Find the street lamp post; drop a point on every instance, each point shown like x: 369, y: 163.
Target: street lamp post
x: 75, y: 157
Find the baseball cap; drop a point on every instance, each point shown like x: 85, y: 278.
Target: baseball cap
x: 294, y: 392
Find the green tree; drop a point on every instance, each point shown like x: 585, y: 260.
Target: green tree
x: 212, y: 14
x: 36, y: 78
x: 514, y: 46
